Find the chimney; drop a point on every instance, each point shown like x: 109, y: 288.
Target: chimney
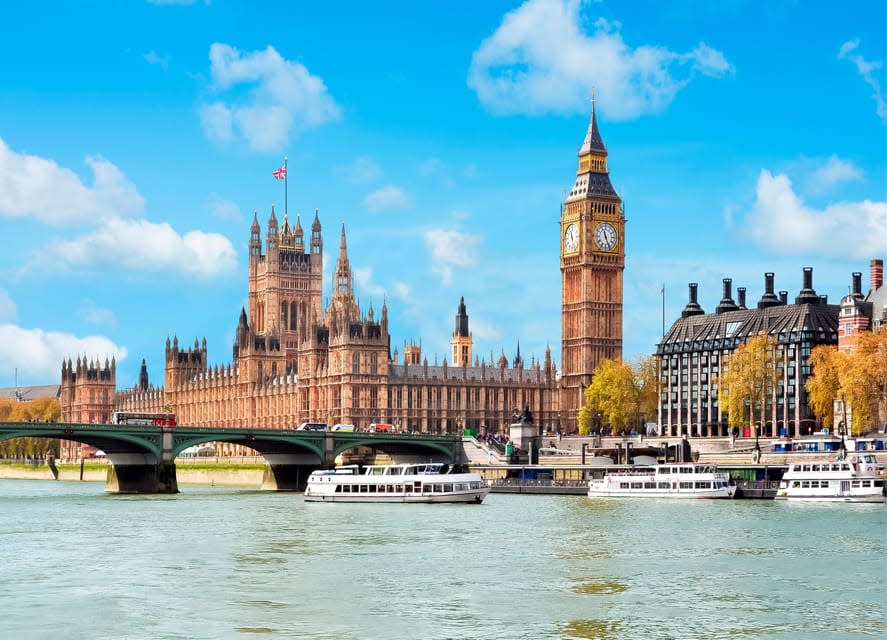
x: 783, y: 297
x: 823, y: 299
x: 741, y: 292
x: 807, y: 294
x: 877, y: 269
x: 769, y: 299
x: 692, y: 308
x: 857, y: 284
x: 727, y: 303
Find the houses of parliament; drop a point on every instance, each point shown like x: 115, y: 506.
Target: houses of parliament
x: 294, y: 361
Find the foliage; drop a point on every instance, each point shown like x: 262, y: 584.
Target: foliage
x: 824, y: 384
x: 747, y: 384
x: 44, y: 409
x: 858, y: 378
x: 619, y: 396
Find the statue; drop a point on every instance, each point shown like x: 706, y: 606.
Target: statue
x: 526, y: 417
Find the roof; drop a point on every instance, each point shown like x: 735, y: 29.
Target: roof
x: 472, y: 374
x: 30, y: 393
x: 731, y: 328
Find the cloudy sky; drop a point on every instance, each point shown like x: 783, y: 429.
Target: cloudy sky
x: 137, y: 139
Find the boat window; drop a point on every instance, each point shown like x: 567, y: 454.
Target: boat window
x: 686, y: 485
x: 649, y: 485
x: 438, y: 488
x: 796, y: 484
x: 338, y: 488
x: 866, y: 483
x: 364, y: 489
x: 806, y: 467
x: 448, y: 488
x: 855, y: 483
x: 637, y: 485
x: 816, y: 467
x: 703, y: 485
x: 877, y: 483
x: 663, y: 485
x: 624, y: 485
x: 805, y: 484
x: 664, y: 470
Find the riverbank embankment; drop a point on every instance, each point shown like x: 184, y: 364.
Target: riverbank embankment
x: 223, y: 473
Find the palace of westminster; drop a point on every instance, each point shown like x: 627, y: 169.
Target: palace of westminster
x: 294, y: 361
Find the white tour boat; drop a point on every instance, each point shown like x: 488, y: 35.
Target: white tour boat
x: 427, y: 482
x: 855, y: 479
x: 671, y: 480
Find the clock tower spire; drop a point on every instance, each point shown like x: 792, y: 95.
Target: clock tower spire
x: 592, y: 226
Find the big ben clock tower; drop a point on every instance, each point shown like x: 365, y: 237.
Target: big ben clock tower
x: 592, y: 260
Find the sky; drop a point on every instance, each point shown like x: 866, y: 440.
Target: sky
x: 138, y: 138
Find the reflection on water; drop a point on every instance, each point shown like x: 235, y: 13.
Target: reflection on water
x: 598, y: 586
x: 589, y: 630
x: 209, y: 564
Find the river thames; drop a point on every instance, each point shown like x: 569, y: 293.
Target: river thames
x: 224, y: 563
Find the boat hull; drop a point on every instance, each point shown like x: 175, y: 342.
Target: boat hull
x: 870, y: 498
x: 715, y: 494
x: 470, y: 497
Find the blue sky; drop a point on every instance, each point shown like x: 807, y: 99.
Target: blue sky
x: 136, y: 139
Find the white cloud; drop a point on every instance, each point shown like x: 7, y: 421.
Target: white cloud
x: 271, y: 98
x: 867, y: 71
x: 832, y: 173
x: 484, y: 331
x: 780, y: 222
x: 387, y: 198
x: 364, y: 170
x: 401, y: 290
x: 38, y: 354
x: 97, y: 315
x: 540, y: 60
x: 8, y: 309
x: 37, y: 187
x: 364, y: 278
x: 148, y: 246
x: 222, y: 208
x: 152, y: 57
x: 450, y: 249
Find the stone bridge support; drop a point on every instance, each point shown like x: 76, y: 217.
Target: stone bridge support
x: 288, y: 471
x: 140, y: 473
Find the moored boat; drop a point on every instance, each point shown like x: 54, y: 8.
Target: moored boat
x: 427, y: 482
x: 670, y: 480
x: 857, y: 478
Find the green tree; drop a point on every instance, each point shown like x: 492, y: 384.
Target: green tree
x: 44, y: 409
x: 746, y: 386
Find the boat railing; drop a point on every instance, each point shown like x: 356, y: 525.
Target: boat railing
x: 526, y: 482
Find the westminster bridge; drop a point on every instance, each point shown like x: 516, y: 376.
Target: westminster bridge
x: 142, y: 458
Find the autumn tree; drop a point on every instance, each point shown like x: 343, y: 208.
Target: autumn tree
x: 748, y: 380
x: 621, y: 393
x: 824, y: 383
x: 44, y: 409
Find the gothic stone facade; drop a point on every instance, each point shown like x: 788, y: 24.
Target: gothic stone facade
x: 294, y: 362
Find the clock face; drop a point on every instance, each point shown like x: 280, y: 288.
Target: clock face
x: 571, y: 237
x: 605, y: 236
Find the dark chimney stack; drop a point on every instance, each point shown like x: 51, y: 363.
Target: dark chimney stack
x: 692, y: 308
x: 807, y: 294
x: 769, y: 298
x: 823, y: 299
x: 783, y: 297
x: 857, y: 284
x: 741, y: 292
x: 727, y: 303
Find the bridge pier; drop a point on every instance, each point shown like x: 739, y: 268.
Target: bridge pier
x: 140, y: 473
x: 288, y: 472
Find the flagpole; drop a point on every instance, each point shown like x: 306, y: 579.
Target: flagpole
x: 286, y: 179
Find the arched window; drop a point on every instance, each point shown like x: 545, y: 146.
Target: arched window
x: 373, y: 364
x: 355, y: 363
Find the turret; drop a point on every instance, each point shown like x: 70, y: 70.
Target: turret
x: 316, y: 240
x: 255, y: 237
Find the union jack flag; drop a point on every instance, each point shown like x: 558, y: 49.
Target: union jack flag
x: 280, y: 174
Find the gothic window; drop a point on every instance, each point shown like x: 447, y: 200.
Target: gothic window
x: 373, y: 363
x: 284, y: 308
x: 355, y: 363
x: 294, y: 314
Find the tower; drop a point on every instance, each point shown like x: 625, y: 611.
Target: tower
x: 461, y: 338
x: 592, y: 226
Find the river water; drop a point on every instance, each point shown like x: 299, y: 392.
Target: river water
x: 219, y: 563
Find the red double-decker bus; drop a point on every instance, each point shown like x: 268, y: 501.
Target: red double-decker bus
x: 144, y: 418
